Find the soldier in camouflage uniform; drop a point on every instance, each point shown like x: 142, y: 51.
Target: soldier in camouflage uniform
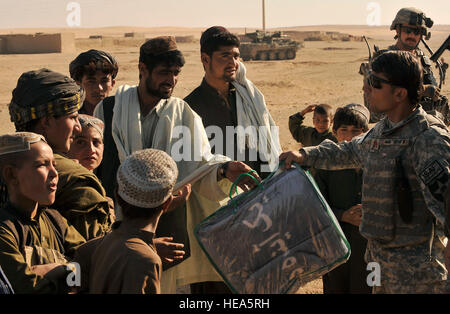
x: 410, y: 25
x: 405, y: 159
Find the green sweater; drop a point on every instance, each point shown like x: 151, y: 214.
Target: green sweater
x: 307, y: 135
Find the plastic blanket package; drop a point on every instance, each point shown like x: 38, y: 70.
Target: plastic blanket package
x: 275, y: 238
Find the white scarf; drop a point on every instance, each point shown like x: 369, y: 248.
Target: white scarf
x: 252, y: 111
x: 172, y: 112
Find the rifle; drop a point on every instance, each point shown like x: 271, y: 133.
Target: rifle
x: 435, y: 58
x: 440, y: 51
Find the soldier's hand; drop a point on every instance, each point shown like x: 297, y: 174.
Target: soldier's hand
x: 290, y: 157
x: 308, y: 109
x: 167, y: 250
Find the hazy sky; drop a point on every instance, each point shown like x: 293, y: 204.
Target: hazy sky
x: 203, y: 13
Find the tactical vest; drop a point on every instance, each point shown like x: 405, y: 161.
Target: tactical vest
x: 384, y: 150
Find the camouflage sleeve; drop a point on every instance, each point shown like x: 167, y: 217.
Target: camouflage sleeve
x: 334, y: 156
x: 431, y: 164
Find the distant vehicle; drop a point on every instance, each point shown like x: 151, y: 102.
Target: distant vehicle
x: 268, y: 46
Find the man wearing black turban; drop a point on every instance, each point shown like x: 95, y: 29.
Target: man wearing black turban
x: 95, y: 71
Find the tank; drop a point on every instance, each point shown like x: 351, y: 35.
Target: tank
x: 268, y: 46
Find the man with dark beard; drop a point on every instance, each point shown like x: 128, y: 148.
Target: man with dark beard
x: 232, y: 109
x: 410, y: 25
x: 147, y: 116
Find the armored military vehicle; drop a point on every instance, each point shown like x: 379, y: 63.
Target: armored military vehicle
x: 268, y: 46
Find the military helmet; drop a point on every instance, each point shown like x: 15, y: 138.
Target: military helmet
x: 412, y: 16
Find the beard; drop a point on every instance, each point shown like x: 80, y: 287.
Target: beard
x: 159, y: 91
x: 225, y: 76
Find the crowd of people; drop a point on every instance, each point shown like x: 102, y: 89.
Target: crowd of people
x: 117, y: 183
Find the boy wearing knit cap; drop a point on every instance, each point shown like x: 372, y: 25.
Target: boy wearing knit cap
x: 47, y: 103
x: 342, y: 190
x: 35, y: 241
x: 95, y: 71
x: 125, y: 261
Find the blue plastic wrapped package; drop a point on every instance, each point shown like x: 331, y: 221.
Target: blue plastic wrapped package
x: 275, y: 238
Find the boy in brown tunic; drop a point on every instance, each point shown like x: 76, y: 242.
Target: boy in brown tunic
x: 125, y: 261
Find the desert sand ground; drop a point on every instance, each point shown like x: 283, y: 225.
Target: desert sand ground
x: 322, y: 72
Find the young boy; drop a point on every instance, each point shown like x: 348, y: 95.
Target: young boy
x: 312, y: 136
x: 125, y: 261
x: 95, y: 71
x: 34, y: 240
x: 342, y: 190
x: 47, y: 103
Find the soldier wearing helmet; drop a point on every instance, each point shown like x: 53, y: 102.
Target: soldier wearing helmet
x: 411, y: 24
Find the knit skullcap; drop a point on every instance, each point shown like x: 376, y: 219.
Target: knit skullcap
x: 146, y: 178
x: 18, y: 142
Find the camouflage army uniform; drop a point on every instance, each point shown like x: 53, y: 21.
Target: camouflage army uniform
x: 410, y: 254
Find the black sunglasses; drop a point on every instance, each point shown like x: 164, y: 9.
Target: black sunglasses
x: 408, y: 30
x: 375, y: 81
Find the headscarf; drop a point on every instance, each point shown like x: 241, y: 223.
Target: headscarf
x: 43, y: 93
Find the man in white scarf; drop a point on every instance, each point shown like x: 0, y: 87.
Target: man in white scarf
x: 146, y: 116
x: 233, y: 112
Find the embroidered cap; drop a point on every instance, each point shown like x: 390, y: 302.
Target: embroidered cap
x: 146, y: 178
x: 18, y: 142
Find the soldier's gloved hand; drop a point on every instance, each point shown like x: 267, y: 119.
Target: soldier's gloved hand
x: 431, y: 91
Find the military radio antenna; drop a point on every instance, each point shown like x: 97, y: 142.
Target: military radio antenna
x: 264, y: 15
